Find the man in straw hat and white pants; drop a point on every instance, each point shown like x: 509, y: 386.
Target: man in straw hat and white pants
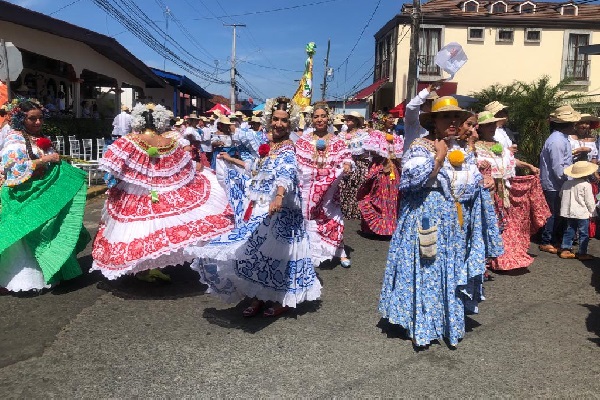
x: 555, y: 157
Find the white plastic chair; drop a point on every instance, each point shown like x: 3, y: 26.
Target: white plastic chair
x: 100, y: 145
x: 74, y: 148
x: 87, y: 149
x: 59, y: 144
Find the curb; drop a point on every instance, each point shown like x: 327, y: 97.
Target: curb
x: 95, y: 191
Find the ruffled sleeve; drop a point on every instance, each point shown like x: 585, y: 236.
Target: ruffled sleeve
x: 285, y: 170
x: 417, y: 165
x: 18, y: 167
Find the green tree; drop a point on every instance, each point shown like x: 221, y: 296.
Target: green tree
x: 529, y: 105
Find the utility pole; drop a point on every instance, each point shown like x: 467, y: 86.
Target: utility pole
x: 167, y: 15
x: 413, y: 62
x: 324, y: 87
x: 233, y: 91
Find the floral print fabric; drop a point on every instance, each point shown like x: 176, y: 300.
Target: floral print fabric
x: 427, y: 297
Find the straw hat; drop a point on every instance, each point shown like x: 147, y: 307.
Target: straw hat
x: 217, y: 112
x: 357, y: 115
x: 487, y: 117
x: 432, y: 95
x: 239, y: 114
x: 179, y: 122
x: 589, y: 118
x: 124, y: 108
x: 581, y: 169
x: 338, y: 121
x: 203, y: 118
x: 255, y: 119
x: 257, y: 113
x: 565, y: 114
x: 224, y: 120
x: 442, y: 104
x: 495, y: 107
x: 193, y: 116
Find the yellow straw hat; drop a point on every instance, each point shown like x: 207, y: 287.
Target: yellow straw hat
x: 440, y: 105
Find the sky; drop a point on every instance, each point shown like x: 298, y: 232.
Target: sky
x: 270, y: 51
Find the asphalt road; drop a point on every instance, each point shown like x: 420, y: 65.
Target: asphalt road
x: 537, y: 334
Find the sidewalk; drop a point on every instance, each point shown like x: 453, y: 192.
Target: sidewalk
x: 95, y: 190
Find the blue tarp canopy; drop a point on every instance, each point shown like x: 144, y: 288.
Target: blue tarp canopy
x: 260, y: 107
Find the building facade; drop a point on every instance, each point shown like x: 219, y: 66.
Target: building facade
x: 504, y: 41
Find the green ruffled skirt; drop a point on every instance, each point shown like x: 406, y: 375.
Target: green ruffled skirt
x: 46, y: 215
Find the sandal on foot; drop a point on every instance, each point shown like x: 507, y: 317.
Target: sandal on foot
x: 275, y: 311
x: 145, y: 277
x: 253, y: 309
x: 158, y: 274
x: 345, y: 262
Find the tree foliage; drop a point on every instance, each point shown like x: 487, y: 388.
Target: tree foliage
x: 529, y: 105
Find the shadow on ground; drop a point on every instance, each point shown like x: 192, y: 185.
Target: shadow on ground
x: 184, y: 283
x: 592, y: 321
x: 232, y: 318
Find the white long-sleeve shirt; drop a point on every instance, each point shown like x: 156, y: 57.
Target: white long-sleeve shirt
x: 122, y: 124
x: 412, y: 127
x: 577, y: 199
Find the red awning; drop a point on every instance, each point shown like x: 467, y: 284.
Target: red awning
x: 369, y: 90
x: 398, y: 111
x: 447, y: 89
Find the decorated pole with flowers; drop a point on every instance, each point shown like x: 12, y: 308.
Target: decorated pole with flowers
x: 303, y: 95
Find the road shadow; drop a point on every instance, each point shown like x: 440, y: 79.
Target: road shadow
x: 184, y: 283
x: 512, y: 272
x: 592, y: 321
x: 372, y: 236
x: 393, y: 331
x: 231, y: 318
x: 84, y: 280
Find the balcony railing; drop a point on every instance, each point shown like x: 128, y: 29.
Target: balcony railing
x: 427, y: 66
x: 578, y: 70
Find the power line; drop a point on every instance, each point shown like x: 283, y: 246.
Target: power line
x: 122, y: 11
x: 65, y: 6
x: 276, y: 68
x: 268, y: 11
x: 362, y: 32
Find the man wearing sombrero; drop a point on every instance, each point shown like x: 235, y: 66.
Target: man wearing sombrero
x: 555, y: 157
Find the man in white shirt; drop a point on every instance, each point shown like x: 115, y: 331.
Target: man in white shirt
x: 122, y: 123
x: 191, y: 132
x: 205, y: 133
x: 420, y: 103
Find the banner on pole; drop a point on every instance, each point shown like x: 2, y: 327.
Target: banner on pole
x: 303, y: 95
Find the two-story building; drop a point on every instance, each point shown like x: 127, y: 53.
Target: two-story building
x: 504, y: 41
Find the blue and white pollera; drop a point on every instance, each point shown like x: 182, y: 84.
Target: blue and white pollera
x: 321, y: 144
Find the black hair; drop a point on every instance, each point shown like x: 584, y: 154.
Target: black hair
x: 149, y: 120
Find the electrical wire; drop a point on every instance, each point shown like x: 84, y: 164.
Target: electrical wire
x: 362, y: 32
x: 65, y: 6
x: 267, y: 11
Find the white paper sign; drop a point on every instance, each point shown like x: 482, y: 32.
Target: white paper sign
x: 451, y: 58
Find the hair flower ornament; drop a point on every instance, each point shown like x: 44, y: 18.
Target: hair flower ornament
x: 456, y: 158
x: 389, y: 137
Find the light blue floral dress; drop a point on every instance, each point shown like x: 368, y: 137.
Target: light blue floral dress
x: 266, y: 257
x: 429, y: 297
